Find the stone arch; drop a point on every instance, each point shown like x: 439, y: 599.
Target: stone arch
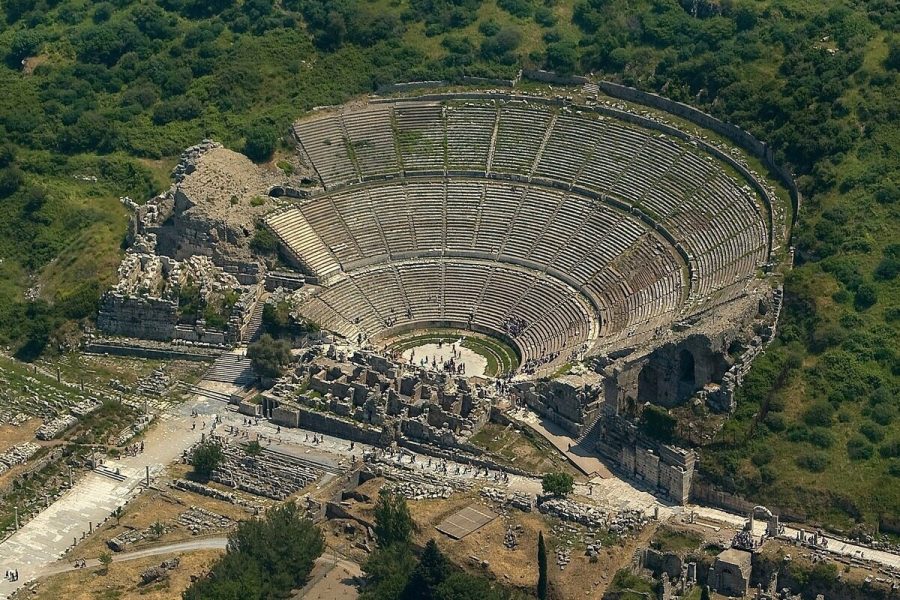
x: 686, y: 367
x: 648, y: 384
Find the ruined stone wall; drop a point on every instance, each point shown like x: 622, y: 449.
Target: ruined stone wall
x: 698, y: 359
x: 161, y: 353
x: 665, y: 468
x: 673, y: 372
x: 349, y: 430
x: 570, y: 404
x: 796, y: 576
x: 131, y: 316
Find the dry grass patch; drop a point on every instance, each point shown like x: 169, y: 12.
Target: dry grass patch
x: 152, y: 506
x: 10, y: 435
x: 121, y: 581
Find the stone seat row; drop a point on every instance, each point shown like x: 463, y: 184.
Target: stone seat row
x: 470, y: 294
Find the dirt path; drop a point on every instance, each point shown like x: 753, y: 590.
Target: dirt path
x: 214, y: 543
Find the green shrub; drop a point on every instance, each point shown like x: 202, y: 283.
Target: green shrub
x: 866, y: 296
x: 873, y: 432
x: 819, y: 414
x: 890, y: 448
x: 260, y: 142
x: 821, y: 437
x: 763, y: 456
x: 776, y: 422
x: 858, y: 448
x: 264, y: 241
x: 883, y: 414
x: 814, y: 462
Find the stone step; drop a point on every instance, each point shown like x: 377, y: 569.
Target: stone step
x: 231, y: 368
x: 106, y: 472
x: 255, y: 328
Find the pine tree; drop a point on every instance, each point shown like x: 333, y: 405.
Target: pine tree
x: 393, y: 523
x: 542, y: 568
x: 431, y: 572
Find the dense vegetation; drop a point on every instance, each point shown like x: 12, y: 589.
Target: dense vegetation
x: 206, y: 458
x: 269, y: 356
x: 110, y: 92
x: 265, y: 558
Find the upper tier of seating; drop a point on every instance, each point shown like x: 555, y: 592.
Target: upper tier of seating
x: 462, y: 211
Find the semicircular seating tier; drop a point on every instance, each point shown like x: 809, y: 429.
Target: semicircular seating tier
x: 565, y: 232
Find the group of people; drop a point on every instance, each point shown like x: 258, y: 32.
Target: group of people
x: 514, y: 326
x: 215, y: 421
x: 438, y: 363
x: 135, y: 449
x: 439, y: 465
x: 12, y: 575
x: 532, y: 365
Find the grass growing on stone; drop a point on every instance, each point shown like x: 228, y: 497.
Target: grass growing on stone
x: 631, y: 587
x: 523, y: 449
x: 672, y: 540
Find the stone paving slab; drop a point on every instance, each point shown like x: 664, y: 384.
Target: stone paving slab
x: 43, y: 540
x: 462, y: 523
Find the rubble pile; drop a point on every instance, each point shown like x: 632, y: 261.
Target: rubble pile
x: 124, y: 539
x: 85, y: 407
x: 511, y: 538
x: 203, y: 490
x: 159, y: 573
x: 424, y: 480
x: 624, y: 521
x: 506, y: 499
x: 569, y: 510
x: 270, y: 474
x: 13, y: 418
x: 155, y: 384
x: 17, y: 455
x: 421, y: 491
x: 198, y: 520
x: 55, y: 427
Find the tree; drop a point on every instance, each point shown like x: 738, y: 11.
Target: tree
x: 393, y: 523
x: 25, y: 43
x: 105, y: 560
x: 205, y: 458
x: 118, y: 514
x: 259, y: 142
x: 268, y: 356
x: 431, y: 571
x: 253, y: 448
x: 11, y: 179
x: 462, y: 586
x: 264, y: 558
x: 562, y: 57
x: 157, y: 529
x: 558, y: 484
x: 542, y: 586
